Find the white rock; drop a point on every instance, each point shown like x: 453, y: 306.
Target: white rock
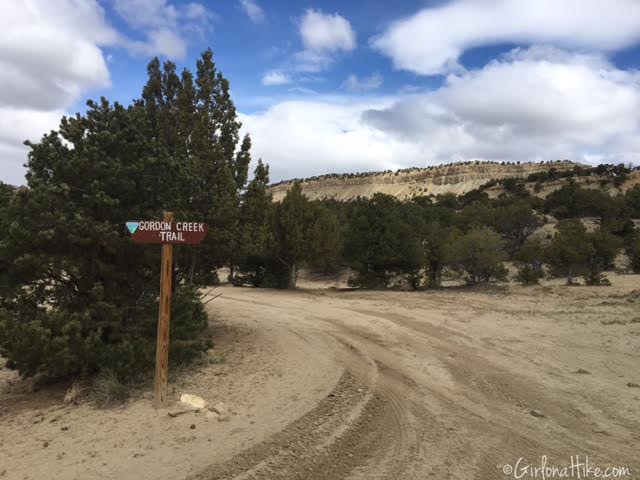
x: 193, y: 401
x: 221, y: 409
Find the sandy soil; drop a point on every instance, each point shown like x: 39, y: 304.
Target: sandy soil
x: 331, y: 384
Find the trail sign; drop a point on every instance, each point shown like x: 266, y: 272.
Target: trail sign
x: 168, y: 233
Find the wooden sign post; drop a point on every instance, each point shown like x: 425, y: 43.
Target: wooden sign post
x: 164, y: 317
x: 168, y: 233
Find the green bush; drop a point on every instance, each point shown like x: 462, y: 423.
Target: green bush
x: 108, y: 389
x: 529, y: 261
x: 529, y: 274
x: 59, y: 343
x: 480, y: 254
x: 569, y: 250
x: 603, y: 248
x: 383, y: 244
x: 574, y: 251
x: 633, y: 251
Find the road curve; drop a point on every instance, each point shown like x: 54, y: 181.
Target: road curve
x: 442, y: 385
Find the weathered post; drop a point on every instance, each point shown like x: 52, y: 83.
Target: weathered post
x: 164, y: 319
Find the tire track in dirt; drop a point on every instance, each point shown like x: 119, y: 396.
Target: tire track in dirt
x: 498, y: 434
x: 346, y: 428
x: 434, y: 401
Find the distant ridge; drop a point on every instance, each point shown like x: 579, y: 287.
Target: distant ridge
x: 457, y: 178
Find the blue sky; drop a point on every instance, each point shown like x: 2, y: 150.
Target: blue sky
x: 334, y: 86
x: 245, y: 50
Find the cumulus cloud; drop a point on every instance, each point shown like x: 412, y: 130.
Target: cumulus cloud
x: 331, y: 32
x: 162, y: 41
x: 355, y: 84
x: 275, y: 77
x: 50, y: 53
x: 431, y: 41
x: 530, y: 105
x: 300, y: 138
x: 17, y: 125
x: 147, y: 13
x: 253, y: 10
x: 163, y: 25
x: 323, y: 36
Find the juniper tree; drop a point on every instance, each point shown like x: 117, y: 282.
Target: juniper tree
x: 325, y: 239
x: 381, y: 245
x: 480, y: 254
x: 633, y: 251
x: 292, y: 222
x: 603, y: 248
x: 529, y: 260
x: 515, y: 221
x: 569, y: 250
x: 255, y: 233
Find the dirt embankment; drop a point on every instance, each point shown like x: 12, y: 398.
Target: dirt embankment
x: 329, y: 384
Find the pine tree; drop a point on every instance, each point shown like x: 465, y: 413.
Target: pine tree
x: 325, y: 239
x: 194, y: 125
x: 255, y: 234
x: 222, y: 173
x: 80, y: 296
x: 83, y: 296
x: 6, y: 195
x: 382, y: 246
x: 292, y: 221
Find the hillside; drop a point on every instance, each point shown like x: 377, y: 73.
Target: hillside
x: 457, y: 178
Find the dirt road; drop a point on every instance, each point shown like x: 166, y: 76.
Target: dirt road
x: 381, y: 385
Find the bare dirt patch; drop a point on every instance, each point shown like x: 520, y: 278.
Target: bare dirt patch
x: 331, y: 384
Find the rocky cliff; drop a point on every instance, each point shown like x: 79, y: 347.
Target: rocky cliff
x: 457, y: 178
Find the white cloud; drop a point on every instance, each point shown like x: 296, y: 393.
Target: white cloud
x: 163, y: 25
x: 321, y: 31
x: 432, y: 40
x: 159, y: 42
x: 275, y: 77
x: 301, y: 138
x: 147, y: 13
x: 50, y: 53
x: 196, y: 11
x: 323, y: 37
x: 354, y: 84
x: 253, y: 10
x: 534, y: 104
x: 311, y: 61
x: 16, y: 126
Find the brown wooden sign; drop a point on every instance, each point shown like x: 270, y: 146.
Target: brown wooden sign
x: 164, y: 231
x: 167, y: 232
